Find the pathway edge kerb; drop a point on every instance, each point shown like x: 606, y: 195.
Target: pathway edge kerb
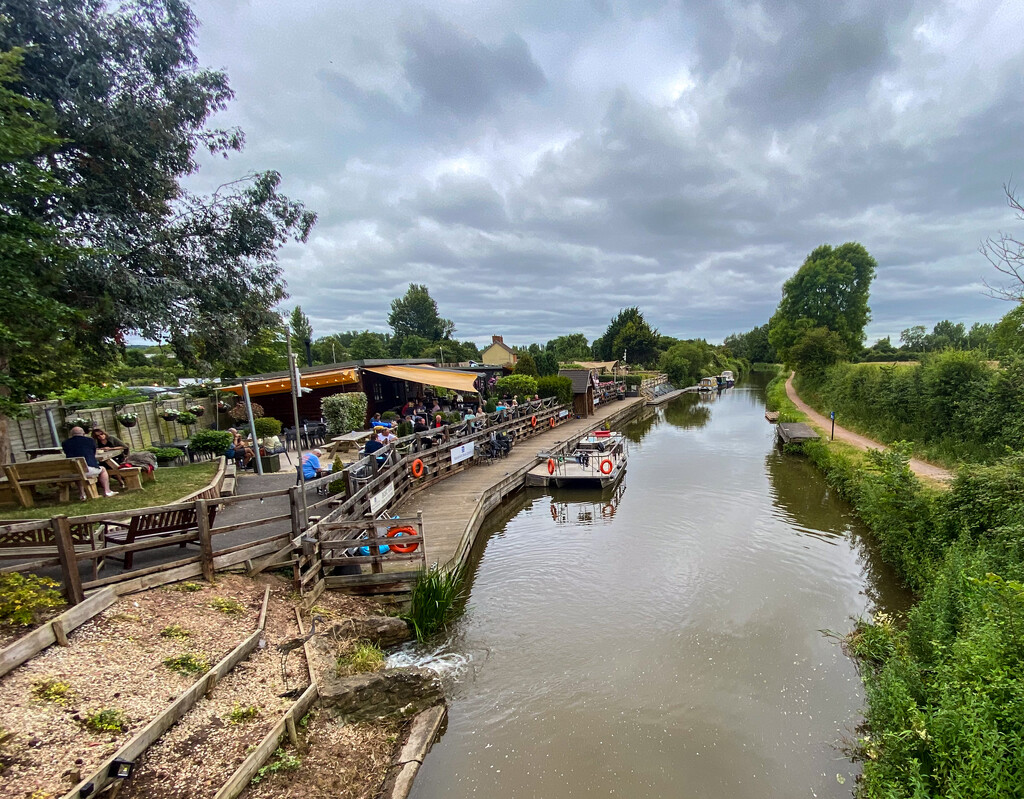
x: 919, y: 467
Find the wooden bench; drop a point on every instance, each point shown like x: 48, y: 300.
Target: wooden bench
x: 63, y: 473
x: 152, y: 525
x: 24, y: 540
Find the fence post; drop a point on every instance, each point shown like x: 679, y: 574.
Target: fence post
x: 294, y: 507
x: 375, y: 566
x: 68, y: 565
x: 205, y: 542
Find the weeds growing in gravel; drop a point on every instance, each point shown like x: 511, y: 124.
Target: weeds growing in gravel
x: 232, y: 607
x: 52, y: 690
x: 175, y: 631
x: 283, y: 761
x: 240, y: 714
x: 107, y: 720
x: 25, y: 597
x: 187, y: 664
x: 188, y: 588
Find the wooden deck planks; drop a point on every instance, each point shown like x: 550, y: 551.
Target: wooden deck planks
x: 449, y: 505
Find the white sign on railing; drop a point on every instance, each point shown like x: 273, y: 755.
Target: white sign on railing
x: 462, y: 452
x: 563, y: 413
x: 382, y: 498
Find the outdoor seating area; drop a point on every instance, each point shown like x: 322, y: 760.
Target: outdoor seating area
x: 63, y: 474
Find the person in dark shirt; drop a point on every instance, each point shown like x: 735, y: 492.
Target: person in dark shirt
x: 81, y: 446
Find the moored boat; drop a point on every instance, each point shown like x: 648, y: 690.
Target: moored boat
x: 597, y: 460
x: 728, y: 378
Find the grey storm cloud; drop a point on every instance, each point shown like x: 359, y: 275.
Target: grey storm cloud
x: 540, y: 166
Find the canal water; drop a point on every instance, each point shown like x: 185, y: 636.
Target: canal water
x: 669, y: 637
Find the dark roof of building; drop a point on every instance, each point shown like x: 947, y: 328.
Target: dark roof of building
x: 332, y: 367
x: 580, y: 379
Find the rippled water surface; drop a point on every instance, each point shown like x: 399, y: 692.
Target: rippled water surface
x: 666, y: 638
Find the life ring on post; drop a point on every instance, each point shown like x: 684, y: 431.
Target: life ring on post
x: 551, y: 465
x: 607, y: 466
x: 533, y: 422
x: 405, y: 549
x: 552, y: 422
x: 417, y: 470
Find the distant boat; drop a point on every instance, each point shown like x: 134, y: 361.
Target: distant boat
x: 728, y: 378
x: 598, y: 460
x: 708, y: 384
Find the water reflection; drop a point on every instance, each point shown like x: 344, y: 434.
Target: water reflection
x: 688, y: 411
x: 641, y: 425
x: 664, y: 639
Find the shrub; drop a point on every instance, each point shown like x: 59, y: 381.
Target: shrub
x: 555, y: 386
x: 490, y: 406
x: 633, y: 380
x: 267, y: 426
x: 344, y: 412
x: 25, y: 597
x: 523, y: 385
x: 165, y: 453
x: 101, y: 395
x: 404, y: 429
x: 389, y: 416
x: 215, y: 442
x: 186, y: 418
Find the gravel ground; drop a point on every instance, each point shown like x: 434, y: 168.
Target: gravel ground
x: 115, y: 662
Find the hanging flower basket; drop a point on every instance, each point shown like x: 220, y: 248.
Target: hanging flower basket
x: 79, y: 421
x: 196, y: 410
x: 127, y: 419
x: 186, y: 418
x: 170, y: 414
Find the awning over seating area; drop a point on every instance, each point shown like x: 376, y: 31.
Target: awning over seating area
x: 279, y: 385
x: 428, y: 376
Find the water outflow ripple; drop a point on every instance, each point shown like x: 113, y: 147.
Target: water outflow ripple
x: 665, y: 639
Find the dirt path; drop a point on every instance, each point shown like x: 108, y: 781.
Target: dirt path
x: 918, y: 467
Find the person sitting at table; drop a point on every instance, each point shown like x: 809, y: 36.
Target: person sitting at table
x: 311, y: 467
x: 376, y: 422
x: 241, y: 449
x: 271, y: 444
x: 108, y: 443
x: 481, y: 418
x: 81, y: 446
x: 435, y: 407
x: 406, y: 409
x: 387, y: 435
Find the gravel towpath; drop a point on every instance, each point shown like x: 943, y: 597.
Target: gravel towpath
x: 919, y: 467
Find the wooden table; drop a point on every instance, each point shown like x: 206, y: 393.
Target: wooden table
x: 348, y: 443
x: 38, y: 452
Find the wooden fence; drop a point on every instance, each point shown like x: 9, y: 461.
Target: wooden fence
x: 33, y: 431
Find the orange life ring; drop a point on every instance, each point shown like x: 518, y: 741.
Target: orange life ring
x: 607, y: 463
x: 405, y: 549
x: 552, y: 421
x: 417, y: 470
x: 551, y: 465
x: 533, y: 422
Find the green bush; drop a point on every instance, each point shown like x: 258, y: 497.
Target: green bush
x: 389, y: 416
x: 25, y: 597
x: 490, y: 406
x: 555, y: 386
x: 101, y: 395
x: 523, y: 385
x: 404, y: 429
x: 344, y: 412
x: 633, y: 380
x: 267, y: 426
x: 215, y: 442
x: 186, y: 418
x: 165, y: 453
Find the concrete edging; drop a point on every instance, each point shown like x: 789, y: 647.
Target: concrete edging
x: 425, y: 728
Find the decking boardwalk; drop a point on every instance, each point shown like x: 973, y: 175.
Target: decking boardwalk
x: 453, y: 509
x: 795, y: 432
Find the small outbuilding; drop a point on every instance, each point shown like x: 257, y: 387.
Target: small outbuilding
x: 584, y: 382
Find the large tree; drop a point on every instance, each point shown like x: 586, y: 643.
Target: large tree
x: 416, y: 314
x: 570, y: 348
x: 830, y: 290
x: 302, y: 333
x: 1006, y: 253
x: 628, y: 332
x: 130, y: 105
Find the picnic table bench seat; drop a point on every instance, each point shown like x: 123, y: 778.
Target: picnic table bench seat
x: 63, y: 473
x: 143, y: 526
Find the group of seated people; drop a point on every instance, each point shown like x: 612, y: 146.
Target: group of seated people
x: 79, y: 445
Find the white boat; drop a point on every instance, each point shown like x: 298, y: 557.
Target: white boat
x: 728, y: 378
x: 597, y: 460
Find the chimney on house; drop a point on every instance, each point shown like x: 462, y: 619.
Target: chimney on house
x: 497, y: 340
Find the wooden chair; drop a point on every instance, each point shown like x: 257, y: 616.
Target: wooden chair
x: 62, y: 473
x: 152, y: 525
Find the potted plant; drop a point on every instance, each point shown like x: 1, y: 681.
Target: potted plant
x: 127, y: 418
x: 196, y: 410
x: 79, y: 421
x: 170, y: 414
x: 186, y: 418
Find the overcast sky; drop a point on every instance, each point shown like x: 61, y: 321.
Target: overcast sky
x: 540, y: 165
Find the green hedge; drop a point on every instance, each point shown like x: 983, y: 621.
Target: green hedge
x: 344, y: 412
x: 555, y: 386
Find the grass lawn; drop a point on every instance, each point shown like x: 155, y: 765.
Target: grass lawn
x: 172, y: 483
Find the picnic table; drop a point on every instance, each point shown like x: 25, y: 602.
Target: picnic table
x: 348, y: 443
x: 59, y: 473
x: 36, y: 452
